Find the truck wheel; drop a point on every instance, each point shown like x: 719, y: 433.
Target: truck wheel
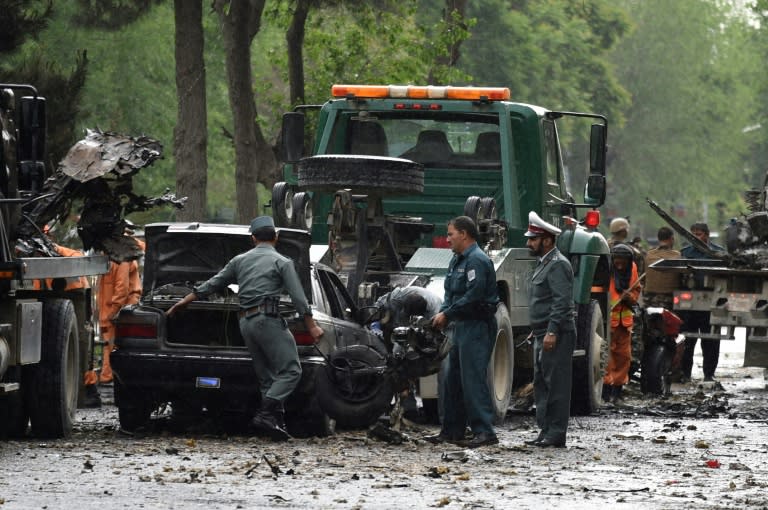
x: 656, y: 363
x: 361, y: 174
x: 354, y: 400
x: 501, y: 366
x: 56, y: 379
x: 488, y: 209
x: 282, y: 204
x: 587, y: 387
x: 302, y: 211
x: 472, y: 207
x: 133, y: 409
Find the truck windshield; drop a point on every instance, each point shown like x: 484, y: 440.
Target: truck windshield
x: 439, y: 139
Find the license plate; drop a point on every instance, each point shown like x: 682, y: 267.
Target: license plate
x: 208, y: 382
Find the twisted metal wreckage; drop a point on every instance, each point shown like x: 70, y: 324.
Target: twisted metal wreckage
x: 98, y: 170
x: 746, y: 237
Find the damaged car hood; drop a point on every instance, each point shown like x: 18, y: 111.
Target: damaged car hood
x: 194, y: 252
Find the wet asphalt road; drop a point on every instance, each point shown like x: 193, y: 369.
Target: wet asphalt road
x: 705, y: 447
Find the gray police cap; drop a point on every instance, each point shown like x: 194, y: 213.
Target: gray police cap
x: 262, y: 222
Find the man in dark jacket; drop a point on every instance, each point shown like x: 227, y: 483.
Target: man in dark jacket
x: 470, y: 304
x: 550, y: 300
x: 697, y: 321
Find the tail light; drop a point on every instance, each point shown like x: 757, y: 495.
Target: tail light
x: 303, y: 338
x: 136, y: 330
x: 440, y: 242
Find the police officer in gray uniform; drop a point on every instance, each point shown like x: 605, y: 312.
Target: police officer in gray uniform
x: 550, y: 298
x: 262, y: 275
x: 470, y: 303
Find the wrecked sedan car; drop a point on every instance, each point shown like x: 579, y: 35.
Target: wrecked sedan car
x: 196, y: 362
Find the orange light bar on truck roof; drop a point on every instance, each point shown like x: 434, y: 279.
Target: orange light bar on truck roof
x: 421, y: 92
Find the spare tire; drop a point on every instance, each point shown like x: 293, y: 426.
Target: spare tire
x: 354, y: 389
x: 363, y: 175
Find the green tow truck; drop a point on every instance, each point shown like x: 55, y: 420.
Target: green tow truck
x: 389, y: 165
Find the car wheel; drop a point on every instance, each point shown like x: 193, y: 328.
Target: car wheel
x: 133, y: 409
x: 282, y: 204
x: 56, y: 379
x: 354, y: 389
x: 361, y: 174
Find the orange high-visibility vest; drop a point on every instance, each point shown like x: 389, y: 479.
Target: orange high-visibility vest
x: 621, y: 314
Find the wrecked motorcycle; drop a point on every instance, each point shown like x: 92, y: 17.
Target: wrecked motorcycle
x: 662, y: 348
x: 360, y: 373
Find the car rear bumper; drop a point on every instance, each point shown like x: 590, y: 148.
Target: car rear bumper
x: 187, y: 374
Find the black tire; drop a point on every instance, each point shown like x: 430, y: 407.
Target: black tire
x: 472, y: 207
x: 488, y: 209
x: 282, y: 204
x: 302, y: 211
x: 588, y: 370
x: 133, y: 408
x: 656, y: 363
x: 361, y: 174
x: 354, y: 401
x: 501, y: 366
x: 56, y: 379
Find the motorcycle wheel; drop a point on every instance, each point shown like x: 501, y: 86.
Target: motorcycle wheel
x: 657, y: 360
x: 354, y: 400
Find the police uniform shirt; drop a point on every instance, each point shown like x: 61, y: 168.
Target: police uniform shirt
x: 471, y: 279
x: 260, y: 272
x: 550, y: 294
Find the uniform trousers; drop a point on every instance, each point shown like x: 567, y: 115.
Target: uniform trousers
x: 552, y: 384
x: 467, y: 398
x: 274, y: 354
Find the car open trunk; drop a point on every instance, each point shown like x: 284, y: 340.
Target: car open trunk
x: 182, y: 255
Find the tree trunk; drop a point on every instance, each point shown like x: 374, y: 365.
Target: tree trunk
x: 190, y: 136
x: 294, y: 38
x: 254, y: 160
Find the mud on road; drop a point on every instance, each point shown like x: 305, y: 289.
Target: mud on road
x: 704, y: 447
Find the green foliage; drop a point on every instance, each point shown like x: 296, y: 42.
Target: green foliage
x: 553, y: 53
x: 20, y: 20
x: 690, y: 68
x: 111, y: 14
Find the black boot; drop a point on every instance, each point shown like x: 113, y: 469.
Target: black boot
x: 91, y: 399
x: 271, y: 420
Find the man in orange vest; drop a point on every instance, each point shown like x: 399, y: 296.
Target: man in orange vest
x: 114, y: 293
x: 624, y: 293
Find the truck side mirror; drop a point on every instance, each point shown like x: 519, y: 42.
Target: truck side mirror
x: 597, y: 149
x: 293, y: 136
x: 594, y: 191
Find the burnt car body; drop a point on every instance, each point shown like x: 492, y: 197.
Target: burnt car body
x: 197, y: 361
